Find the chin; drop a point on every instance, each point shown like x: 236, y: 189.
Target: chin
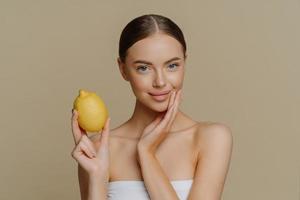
x: 159, y: 108
x: 156, y: 106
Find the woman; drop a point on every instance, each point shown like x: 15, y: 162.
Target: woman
x: 160, y: 152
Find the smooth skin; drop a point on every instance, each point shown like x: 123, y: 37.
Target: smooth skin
x: 159, y: 142
x: 93, y: 156
x: 157, y: 130
x: 93, y: 160
x: 156, y: 181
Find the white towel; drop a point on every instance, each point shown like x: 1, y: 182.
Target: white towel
x: 136, y: 190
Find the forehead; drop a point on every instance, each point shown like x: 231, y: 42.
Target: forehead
x: 158, y: 47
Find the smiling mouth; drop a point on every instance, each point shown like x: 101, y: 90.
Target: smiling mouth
x: 160, y: 97
x: 159, y: 94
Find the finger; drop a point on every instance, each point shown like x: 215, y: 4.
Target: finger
x: 105, y: 133
x: 165, y: 124
x: 80, y: 149
x: 86, y: 150
x: 154, y: 123
x: 181, y: 94
x: 172, y: 99
x: 162, y: 118
x: 89, y: 144
x: 81, y: 157
x: 172, y: 103
x: 82, y: 131
x: 174, y: 110
x: 77, y: 132
x: 178, y: 97
x: 105, y: 125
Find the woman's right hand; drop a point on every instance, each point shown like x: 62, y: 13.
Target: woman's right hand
x: 92, y: 156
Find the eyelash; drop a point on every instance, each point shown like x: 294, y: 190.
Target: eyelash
x: 176, y: 64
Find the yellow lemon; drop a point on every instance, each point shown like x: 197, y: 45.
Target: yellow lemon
x: 92, y: 112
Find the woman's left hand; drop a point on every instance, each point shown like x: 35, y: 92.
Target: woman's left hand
x: 156, y: 131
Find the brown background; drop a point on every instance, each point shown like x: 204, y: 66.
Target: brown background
x: 243, y: 70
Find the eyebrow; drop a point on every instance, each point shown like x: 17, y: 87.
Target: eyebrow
x: 149, y: 63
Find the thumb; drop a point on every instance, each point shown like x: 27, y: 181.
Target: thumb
x: 105, y: 133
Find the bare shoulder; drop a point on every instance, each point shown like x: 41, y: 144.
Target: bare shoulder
x: 212, y: 134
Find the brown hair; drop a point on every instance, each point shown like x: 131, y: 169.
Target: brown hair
x: 147, y: 25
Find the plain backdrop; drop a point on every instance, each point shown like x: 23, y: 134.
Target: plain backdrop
x: 243, y: 70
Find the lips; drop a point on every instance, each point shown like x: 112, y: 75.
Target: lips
x: 159, y: 93
x: 160, y: 96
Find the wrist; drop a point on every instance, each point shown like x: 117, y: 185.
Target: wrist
x: 144, y: 150
x: 97, y: 188
x: 144, y: 154
x: 101, y: 177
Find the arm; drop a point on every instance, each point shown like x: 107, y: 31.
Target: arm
x: 213, y: 163
x: 91, y: 187
x: 93, y: 161
x: 156, y: 181
x: 83, y: 182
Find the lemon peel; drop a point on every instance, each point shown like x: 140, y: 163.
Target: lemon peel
x: 92, y: 112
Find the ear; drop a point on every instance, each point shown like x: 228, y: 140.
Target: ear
x: 122, y: 69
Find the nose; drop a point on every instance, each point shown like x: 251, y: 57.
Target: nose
x: 159, y: 80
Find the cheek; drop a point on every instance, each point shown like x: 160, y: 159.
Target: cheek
x: 177, y: 80
x: 140, y: 83
x: 143, y: 83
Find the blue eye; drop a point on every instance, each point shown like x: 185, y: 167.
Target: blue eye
x: 174, y: 64
x: 141, y: 67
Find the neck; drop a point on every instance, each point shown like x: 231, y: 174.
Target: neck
x: 142, y: 117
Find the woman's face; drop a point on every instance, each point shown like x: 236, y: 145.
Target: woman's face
x: 154, y: 65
